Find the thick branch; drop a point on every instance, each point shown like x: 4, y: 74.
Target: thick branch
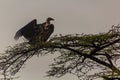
x: 113, y: 68
x: 104, y: 46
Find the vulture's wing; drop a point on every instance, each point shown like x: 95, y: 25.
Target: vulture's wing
x: 48, y: 32
x: 27, y: 31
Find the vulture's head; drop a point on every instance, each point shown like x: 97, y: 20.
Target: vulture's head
x: 50, y: 19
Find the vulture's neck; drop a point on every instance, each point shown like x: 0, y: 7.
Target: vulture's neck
x: 47, y: 23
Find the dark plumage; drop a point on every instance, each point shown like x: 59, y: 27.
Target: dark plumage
x: 36, y: 32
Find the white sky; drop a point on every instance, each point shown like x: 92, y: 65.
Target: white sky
x: 71, y: 16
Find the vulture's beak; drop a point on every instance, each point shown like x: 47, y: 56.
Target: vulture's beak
x: 52, y: 19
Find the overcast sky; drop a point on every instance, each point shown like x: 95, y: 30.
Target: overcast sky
x: 71, y: 16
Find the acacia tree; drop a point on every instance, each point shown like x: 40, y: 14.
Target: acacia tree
x: 80, y: 55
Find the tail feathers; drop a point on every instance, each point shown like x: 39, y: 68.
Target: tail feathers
x: 17, y: 35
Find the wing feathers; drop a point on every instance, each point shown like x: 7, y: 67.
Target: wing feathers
x: 17, y: 35
x: 27, y: 30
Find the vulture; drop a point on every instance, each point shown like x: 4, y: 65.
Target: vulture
x: 36, y: 32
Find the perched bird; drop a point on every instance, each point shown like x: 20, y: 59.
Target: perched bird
x: 36, y: 32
